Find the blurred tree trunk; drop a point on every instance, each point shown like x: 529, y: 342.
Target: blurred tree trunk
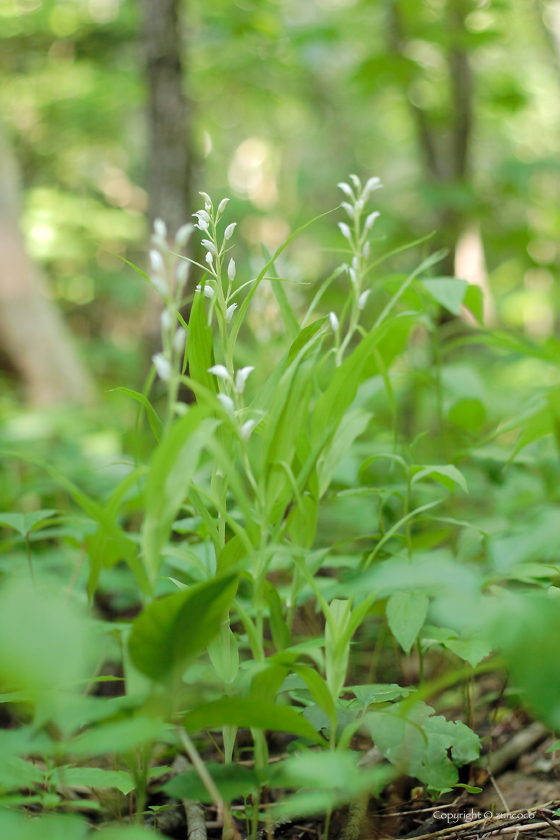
x: 444, y: 143
x: 169, y: 147
x: 33, y: 332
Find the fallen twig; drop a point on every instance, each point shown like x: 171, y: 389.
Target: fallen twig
x: 196, y: 823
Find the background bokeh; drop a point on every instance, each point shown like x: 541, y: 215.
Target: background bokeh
x: 285, y: 98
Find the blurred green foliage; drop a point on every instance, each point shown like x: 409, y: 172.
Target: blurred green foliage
x: 287, y: 96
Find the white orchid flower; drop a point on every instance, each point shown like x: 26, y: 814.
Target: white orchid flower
x: 227, y: 402
x: 241, y: 378
x: 162, y: 366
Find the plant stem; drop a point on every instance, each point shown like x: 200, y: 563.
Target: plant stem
x: 230, y: 830
x: 29, y: 558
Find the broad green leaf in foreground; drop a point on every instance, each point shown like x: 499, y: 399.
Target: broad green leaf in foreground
x: 232, y: 780
x: 250, y: 713
x: 328, y: 779
x: 418, y: 742
x: 95, y: 777
x: 177, y: 628
x: 46, y: 642
x: 118, y: 737
x: 20, y: 827
x: 366, y: 694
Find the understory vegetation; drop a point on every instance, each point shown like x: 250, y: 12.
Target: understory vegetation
x: 309, y: 548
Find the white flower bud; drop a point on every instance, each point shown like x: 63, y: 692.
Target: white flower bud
x: 346, y: 189
x: 241, y: 378
x: 160, y: 285
x: 227, y: 402
x: 202, y: 225
x: 156, y: 261
x: 345, y: 230
x: 179, y: 340
x: 334, y: 321
x: 366, y: 250
x: 182, y: 235
x: 208, y: 290
x: 202, y: 214
x: 162, y: 366
x: 229, y: 312
x: 231, y: 270
x: 356, y: 181
x: 160, y: 228
x: 359, y: 205
x: 362, y: 300
x: 372, y: 185
x: 209, y: 258
x: 221, y: 372
x: 228, y: 233
x: 207, y: 200
x: 166, y: 320
x: 355, y: 263
x: 222, y: 206
x: 353, y: 276
x: 182, y: 272
x: 371, y: 219
x: 209, y: 246
x: 247, y: 428
x: 349, y: 209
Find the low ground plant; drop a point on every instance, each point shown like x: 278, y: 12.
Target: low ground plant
x: 292, y: 529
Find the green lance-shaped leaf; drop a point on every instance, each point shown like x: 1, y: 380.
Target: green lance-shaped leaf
x: 106, y: 519
x: 250, y: 713
x: 200, y: 346
x: 155, y: 423
x: 352, y: 425
x: 340, y: 394
x: 448, y: 475
x: 175, y: 629
x: 285, y: 421
x: 406, y: 613
x: 172, y: 468
x: 278, y: 627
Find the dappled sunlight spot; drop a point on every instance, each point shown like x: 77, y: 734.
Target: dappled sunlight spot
x: 273, y: 231
x: 335, y: 4
x: 542, y: 250
x: 103, y: 11
x: 538, y: 312
x: 42, y: 233
x: 28, y: 5
x: 79, y: 289
x: 538, y: 318
x: 251, y: 173
x: 264, y: 316
x: 538, y: 280
x: 64, y: 19
x: 101, y: 446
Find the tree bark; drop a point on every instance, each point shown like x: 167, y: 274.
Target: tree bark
x: 445, y: 149
x: 33, y: 332
x: 169, y: 148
